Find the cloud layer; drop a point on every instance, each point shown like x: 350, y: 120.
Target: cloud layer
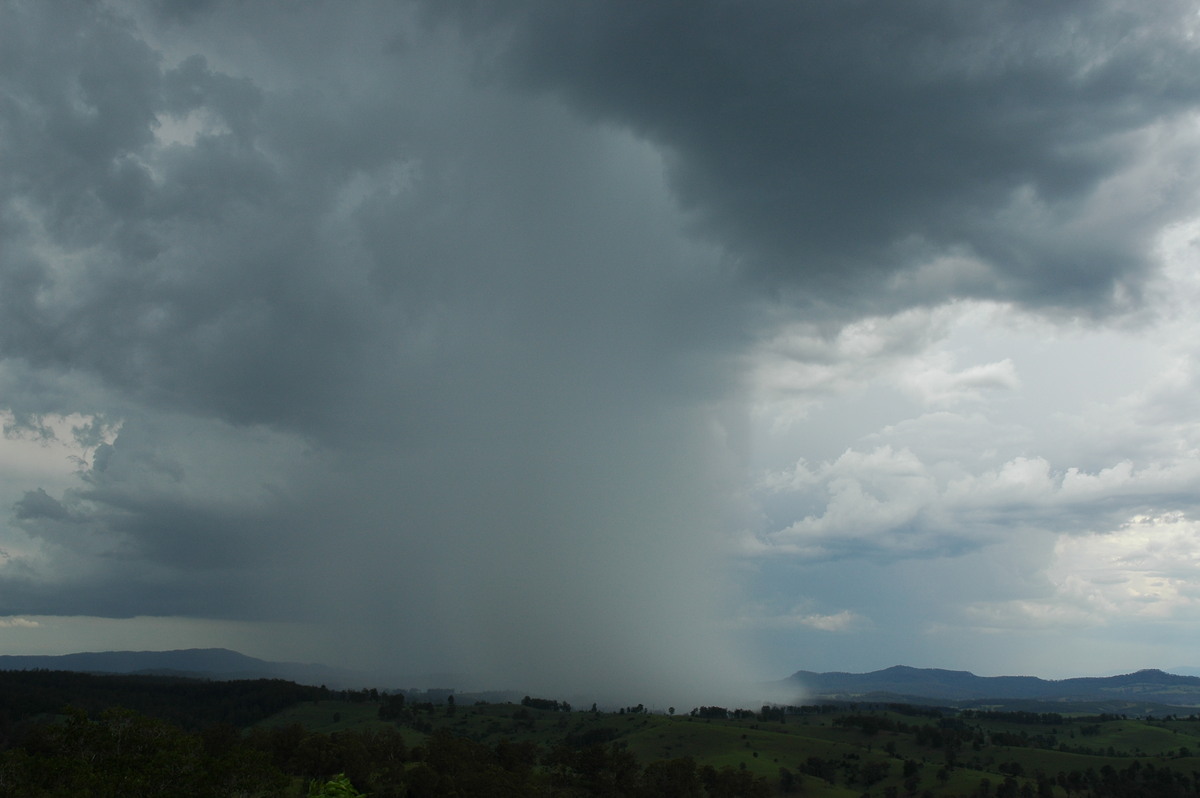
x: 1012, y: 150
x: 390, y: 351
x: 508, y: 337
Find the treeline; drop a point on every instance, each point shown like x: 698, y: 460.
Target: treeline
x: 1046, y: 718
x: 1026, y: 718
x: 721, y: 713
x: 952, y: 735
x: 124, y: 754
x: 1138, y: 780
x: 779, y: 713
x: 545, y: 704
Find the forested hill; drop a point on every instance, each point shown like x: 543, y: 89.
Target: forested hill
x: 947, y: 685
x: 208, y: 663
x: 189, y: 703
x: 207, y: 660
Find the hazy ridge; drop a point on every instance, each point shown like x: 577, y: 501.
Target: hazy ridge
x: 208, y: 663
x: 904, y: 682
x: 900, y: 682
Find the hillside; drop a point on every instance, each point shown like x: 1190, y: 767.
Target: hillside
x: 958, y: 687
x: 208, y: 663
x: 168, y: 736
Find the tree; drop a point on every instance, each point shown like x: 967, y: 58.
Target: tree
x: 673, y: 778
x: 337, y: 787
x: 126, y: 754
x: 392, y: 707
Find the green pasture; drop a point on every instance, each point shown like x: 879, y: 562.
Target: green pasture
x: 327, y: 716
x: 857, y: 761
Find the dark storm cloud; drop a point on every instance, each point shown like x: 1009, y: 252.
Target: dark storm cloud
x: 392, y: 350
x: 374, y: 330
x: 833, y: 145
x: 183, y: 274
x: 39, y: 504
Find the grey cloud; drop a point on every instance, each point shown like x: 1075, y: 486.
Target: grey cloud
x: 434, y: 359
x: 887, y: 504
x: 422, y: 359
x: 193, y: 85
x: 160, y: 525
x: 72, y: 104
x: 183, y: 274
x: 39, y: 504
x: 183, y: 10
x: 120, y: 592
x: 832, y: 145
x: 262, y: 273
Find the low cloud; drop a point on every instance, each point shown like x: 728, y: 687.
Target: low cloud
x: 837, y: 622
x: 18, y: 623
x: 888, y: 503
x: 803, y: 615
x: 1142, y: 572
x: 936, y: 383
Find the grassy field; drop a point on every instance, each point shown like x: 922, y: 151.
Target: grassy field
x: 840, y: 754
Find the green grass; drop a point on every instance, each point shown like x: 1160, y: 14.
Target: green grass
x: 764, y: 747
x: 327, y: 716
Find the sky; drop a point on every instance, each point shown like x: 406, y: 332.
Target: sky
x: 639, y: 348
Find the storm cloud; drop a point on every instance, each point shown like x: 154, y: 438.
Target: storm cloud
x: 926, y: 148
x: 451, y: 330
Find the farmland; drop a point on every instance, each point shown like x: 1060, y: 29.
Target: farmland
x: 74, y: 734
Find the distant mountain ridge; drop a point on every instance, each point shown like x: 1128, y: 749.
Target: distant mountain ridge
x: 209, y: 663
x: 900, y: 683
x: 934, y: 683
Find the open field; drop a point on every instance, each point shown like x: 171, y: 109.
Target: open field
x: 847, y: 750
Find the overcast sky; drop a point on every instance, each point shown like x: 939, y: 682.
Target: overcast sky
x: 633, y: 347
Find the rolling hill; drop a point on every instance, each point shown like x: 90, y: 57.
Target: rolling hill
x: 208, y: 663
x: 906, y: 683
